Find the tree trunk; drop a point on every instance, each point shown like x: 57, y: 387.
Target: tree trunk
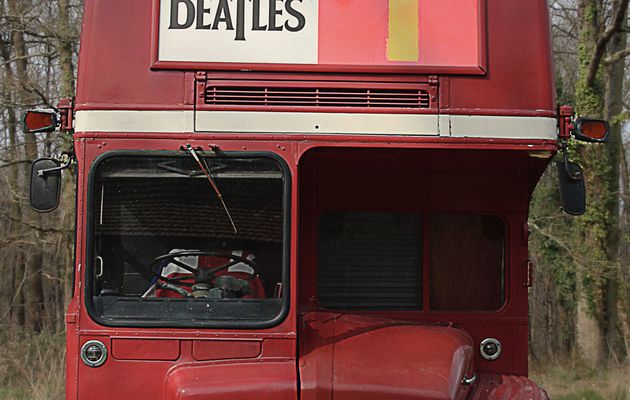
x: 67, y: 90
x: 613, y: 108
x: 15, y: 267
x: 65, y: 49
x: 599, y: 237
x: 589, y: 334
x: 34, y: 290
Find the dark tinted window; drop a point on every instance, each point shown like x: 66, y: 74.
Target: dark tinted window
x: 467, y: 262
x: 369, y: 261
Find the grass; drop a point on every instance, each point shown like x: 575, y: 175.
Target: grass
x: 577, y: 381
x: 32, y: 366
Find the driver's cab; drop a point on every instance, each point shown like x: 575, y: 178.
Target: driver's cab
x: 183, y: 242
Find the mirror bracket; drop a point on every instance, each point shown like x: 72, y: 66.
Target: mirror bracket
x: 66, y: 159
x: 577, y: 175
x: 66, y: 113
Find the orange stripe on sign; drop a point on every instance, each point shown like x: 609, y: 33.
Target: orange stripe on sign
x: 402, y: 40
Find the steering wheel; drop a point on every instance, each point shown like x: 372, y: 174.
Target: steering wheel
x: 199, y: 275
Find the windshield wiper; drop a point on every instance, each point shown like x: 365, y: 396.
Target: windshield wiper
x: 204, y: 167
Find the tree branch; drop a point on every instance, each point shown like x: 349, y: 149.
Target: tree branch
x: 619, y: 15
x: 35, y: 227
x: 26, y: 57
x: 613, y: 58
x: 10, y: 163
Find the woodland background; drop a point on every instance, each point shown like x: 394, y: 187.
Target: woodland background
x: 580, y: 301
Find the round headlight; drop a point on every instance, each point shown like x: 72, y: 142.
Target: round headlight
x: 94, y: 353
x: 490, y: 349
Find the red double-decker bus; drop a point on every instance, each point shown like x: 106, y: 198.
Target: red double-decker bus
x: 303, y: 199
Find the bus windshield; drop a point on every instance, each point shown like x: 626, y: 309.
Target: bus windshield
x: 164, y: 247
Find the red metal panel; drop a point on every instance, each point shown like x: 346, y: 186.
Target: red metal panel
x: 519, y: 62
x: 114, y: 60
x: 278, y: 348
x: 204, y: 350
x: 430, y: 181
x: 145, y: 349
x: 72, y: 350
x: 509, y: 160
x: 140, y: 377
x: 362, y: 357
x: 117, y: 76
x: 232, y: 381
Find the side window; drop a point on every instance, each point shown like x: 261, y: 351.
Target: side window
x: 369, y: 261
x: 467, y: 262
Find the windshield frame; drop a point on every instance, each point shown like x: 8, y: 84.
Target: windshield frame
x: 88, y: 275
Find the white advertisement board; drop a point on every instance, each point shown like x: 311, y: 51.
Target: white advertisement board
x: 239, y: 31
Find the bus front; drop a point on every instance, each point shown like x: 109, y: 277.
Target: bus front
x: 307, y: 199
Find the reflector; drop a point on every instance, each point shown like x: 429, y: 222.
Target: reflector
x: 40, y: 121
x: 591, y: 130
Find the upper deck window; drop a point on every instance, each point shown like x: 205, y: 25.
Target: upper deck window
x: 164, y: 249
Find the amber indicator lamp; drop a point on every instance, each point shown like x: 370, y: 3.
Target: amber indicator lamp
x: 590, y: 130
x: 40, y: 121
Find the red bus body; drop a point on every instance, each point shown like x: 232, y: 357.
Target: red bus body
x: 483, y: 133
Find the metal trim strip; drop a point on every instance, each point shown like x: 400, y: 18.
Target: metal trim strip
x: 462, y: 126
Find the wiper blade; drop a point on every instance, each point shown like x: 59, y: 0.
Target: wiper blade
x: 204, y: 167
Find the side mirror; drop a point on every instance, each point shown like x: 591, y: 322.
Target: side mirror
x: 590, y: 130
x: 40, y: 121
x: 572, y: 188
x: 45, y: 184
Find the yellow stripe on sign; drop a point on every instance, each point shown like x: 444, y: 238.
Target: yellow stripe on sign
x: 402, y: 40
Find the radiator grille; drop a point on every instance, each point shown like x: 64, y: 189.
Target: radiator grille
x: 312, y: 97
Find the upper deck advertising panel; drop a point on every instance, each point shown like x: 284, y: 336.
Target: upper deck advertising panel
x: 404, y: 36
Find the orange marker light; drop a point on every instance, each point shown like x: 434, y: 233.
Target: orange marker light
x: 40, y: 121
x: 594, y: 129
x: 591, y: 130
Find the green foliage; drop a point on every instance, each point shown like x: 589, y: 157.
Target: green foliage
x: 552, y: 247
x: 588, y: 99
x: 558, y: 261
x: 564, y: 94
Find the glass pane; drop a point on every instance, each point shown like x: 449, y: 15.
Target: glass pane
x: 165, y: 248
x: 467, y: 262
x: 369, y: 261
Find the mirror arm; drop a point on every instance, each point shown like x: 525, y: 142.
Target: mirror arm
x: 577, y: 176
x: 42, y: 173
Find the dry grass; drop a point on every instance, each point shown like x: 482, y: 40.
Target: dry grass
x: 32, y: 366
x: 579, y: 382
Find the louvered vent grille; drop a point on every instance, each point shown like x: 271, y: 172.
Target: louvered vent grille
x: 244, y: 96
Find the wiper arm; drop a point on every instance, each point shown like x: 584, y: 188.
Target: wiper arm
x: 204, y: 167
